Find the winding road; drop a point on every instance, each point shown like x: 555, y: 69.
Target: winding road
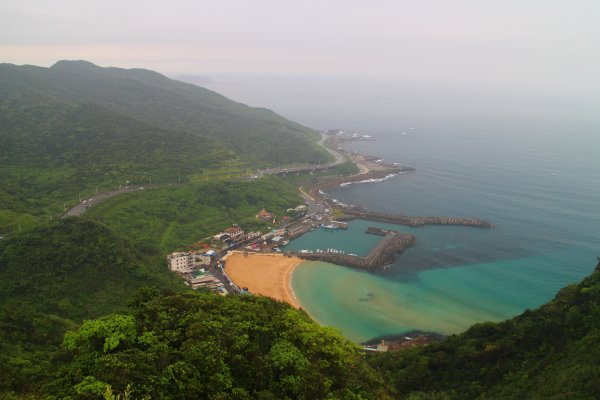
x: 80, y: 208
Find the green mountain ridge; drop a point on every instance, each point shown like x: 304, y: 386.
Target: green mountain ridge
x: 169, y: 104
x: 75, y: 127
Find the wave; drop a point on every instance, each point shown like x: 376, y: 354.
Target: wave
x: 388, y: 176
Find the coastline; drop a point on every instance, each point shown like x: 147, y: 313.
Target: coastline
x: 266, y: 274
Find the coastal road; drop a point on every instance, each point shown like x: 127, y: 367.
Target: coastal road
x: 82, y: 207
x: 339, y: 159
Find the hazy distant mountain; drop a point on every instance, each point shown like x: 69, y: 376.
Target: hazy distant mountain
x: 157, y: 100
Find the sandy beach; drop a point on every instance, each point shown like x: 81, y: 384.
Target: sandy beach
x: 266, y: 274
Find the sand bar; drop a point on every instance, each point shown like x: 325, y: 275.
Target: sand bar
x: 266, y: 274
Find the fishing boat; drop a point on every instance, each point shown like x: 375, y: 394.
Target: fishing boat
x: 329, y: 226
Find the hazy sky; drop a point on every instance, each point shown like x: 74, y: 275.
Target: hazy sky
x: 549, y: 45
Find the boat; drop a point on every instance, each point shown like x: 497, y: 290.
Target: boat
x: 330, y: 226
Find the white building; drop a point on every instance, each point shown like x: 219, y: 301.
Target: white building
x: 181, y: 262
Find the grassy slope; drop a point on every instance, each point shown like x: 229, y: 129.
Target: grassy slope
x: 174, y: 217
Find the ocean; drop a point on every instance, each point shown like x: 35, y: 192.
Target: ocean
x: 539, y: 183
x: 527, y: 162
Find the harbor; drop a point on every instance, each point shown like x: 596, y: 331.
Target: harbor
x: 263, y: 263
x: 377, y: 259
x: 324, y: 212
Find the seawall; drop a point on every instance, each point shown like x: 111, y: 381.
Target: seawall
x: 381, y: 255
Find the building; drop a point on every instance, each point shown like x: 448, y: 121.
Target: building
x: 253, y: 235
x: 181, y: 262
x: 234, y: 232
x: 267, y: 237
x: 187, y: 262
x: 265, y: 215
x: 203, y: 259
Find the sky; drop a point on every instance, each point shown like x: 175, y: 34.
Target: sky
x: 549, y: 45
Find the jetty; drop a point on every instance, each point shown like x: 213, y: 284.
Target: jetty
x: 382, y: 254
x: 379, y: 231
x: 415, y: 222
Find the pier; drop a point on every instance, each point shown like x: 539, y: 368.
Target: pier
x: 381, y: 255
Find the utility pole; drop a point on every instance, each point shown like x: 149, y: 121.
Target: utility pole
x: 19, y: 227
x: 65, y: 207
x: 50, y: 215
x: 96, y: 189
x: 80, y: 197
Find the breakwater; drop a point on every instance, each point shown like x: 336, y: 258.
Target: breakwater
x: 381, y: 255
x: 417, y: 221
x: 378, y: 231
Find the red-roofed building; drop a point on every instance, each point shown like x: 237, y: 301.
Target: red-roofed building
x: 234, y: 232
x: 265, y: 215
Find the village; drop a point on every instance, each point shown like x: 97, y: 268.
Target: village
x: 205, y: 267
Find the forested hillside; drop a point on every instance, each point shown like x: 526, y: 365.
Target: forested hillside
x: 159, y: 101
x: 204, y: 346
x: 76, y: 127
x: 53, y: 277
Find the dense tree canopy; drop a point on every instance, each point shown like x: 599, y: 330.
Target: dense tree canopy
x: 53, y: 277
x: 189, y: 346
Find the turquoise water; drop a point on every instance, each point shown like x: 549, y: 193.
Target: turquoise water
x: 538, y: 182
